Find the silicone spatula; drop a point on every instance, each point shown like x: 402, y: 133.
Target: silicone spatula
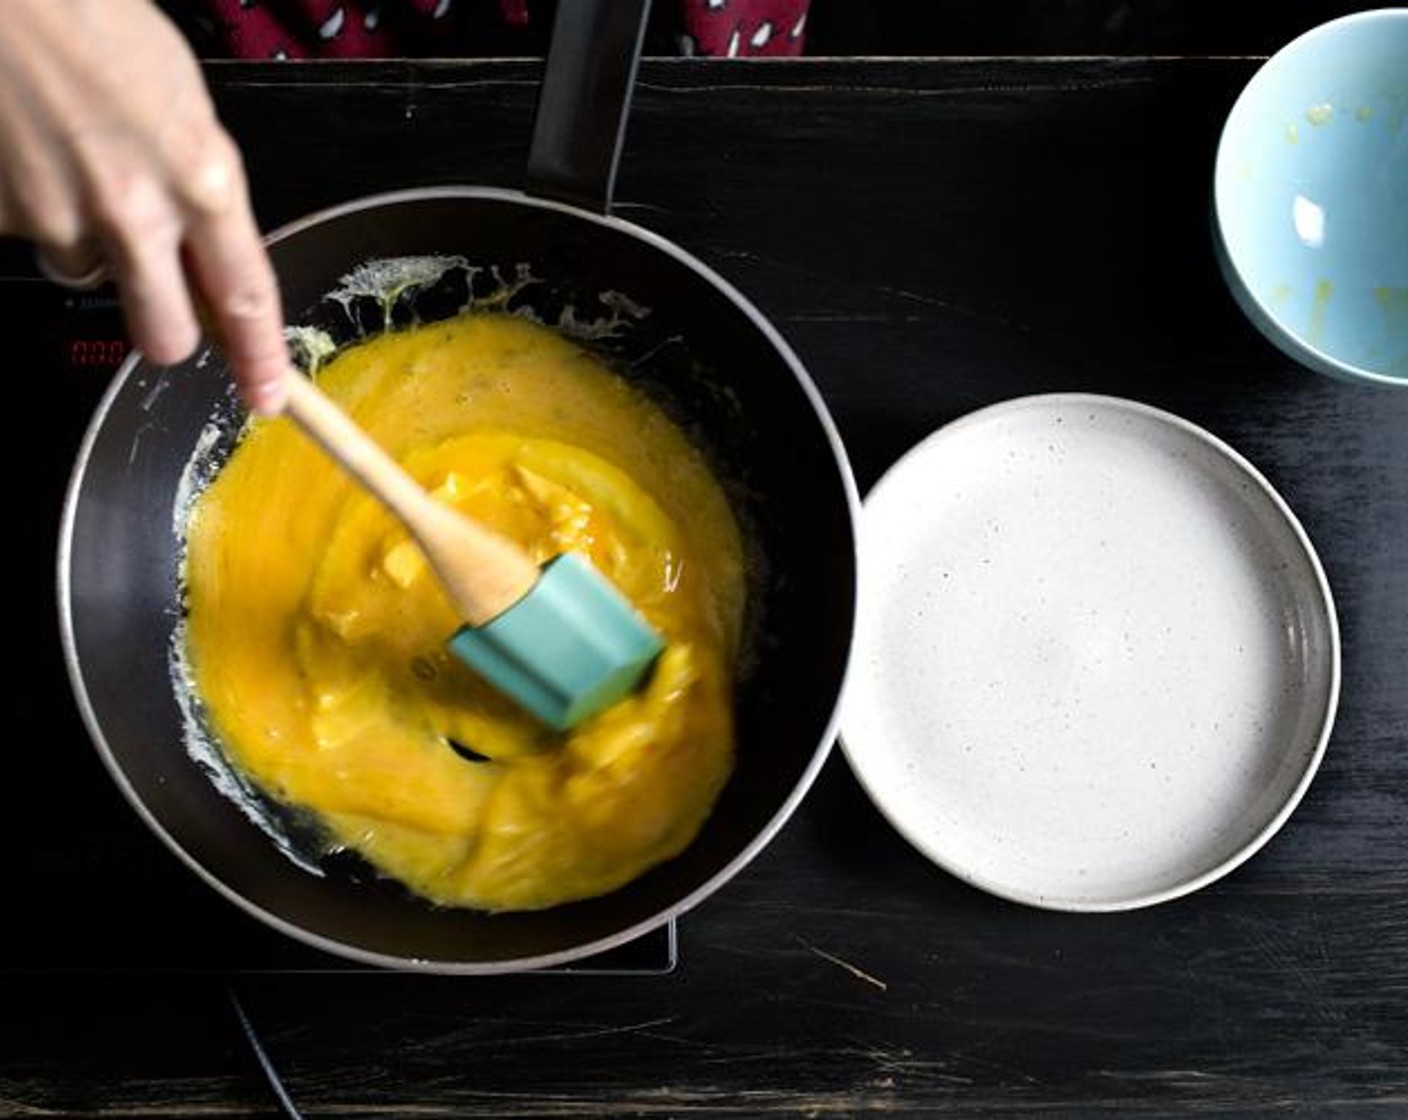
x: 561, y: 640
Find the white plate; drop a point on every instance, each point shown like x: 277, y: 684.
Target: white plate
x: 1097, y: 658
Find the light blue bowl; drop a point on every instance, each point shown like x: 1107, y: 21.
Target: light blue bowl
x: 1310, y: 198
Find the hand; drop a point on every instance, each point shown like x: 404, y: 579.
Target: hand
x: 111, y: 152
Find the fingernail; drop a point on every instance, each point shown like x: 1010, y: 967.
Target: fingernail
x: 267, y: 397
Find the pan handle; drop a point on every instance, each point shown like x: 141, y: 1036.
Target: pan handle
x: 581, y: 115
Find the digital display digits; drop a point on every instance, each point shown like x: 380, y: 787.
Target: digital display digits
x: 95, y: 353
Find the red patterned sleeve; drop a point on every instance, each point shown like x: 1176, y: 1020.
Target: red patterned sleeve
x: 262, y: 29
x: 737, y: 28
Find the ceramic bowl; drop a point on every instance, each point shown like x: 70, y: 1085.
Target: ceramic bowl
x: 1310, y: 198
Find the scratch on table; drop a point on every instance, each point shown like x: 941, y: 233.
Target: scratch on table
x: 949, y: 305
x: 728, y: 252
x: 859, y: 974
x: 645, y: 1028
x: 917, y: 297
x: 887, y: 290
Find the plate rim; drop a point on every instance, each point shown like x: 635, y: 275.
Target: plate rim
x: 1326, y: 612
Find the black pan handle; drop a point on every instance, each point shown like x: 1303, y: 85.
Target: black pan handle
x: 581, y: 115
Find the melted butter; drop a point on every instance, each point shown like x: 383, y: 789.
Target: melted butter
x: 316, y: 631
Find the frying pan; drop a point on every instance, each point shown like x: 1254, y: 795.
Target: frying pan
x: 679, y: 331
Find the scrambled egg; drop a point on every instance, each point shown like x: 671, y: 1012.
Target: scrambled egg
x: 316, y: 630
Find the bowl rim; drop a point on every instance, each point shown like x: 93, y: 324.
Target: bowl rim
x: 1280, y: 334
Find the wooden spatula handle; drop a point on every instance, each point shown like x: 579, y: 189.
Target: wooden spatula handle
x: 483, y: 572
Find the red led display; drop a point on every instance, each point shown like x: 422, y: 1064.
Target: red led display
x: 95, y: 353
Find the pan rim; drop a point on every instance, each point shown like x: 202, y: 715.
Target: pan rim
x: 382, y: 960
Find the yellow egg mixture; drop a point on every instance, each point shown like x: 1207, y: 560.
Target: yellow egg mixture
x: 316, y: 632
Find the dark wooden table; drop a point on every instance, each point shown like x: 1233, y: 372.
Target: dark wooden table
x: 931, y: 236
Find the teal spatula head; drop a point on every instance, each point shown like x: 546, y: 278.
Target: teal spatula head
x: 568, y: 649
x: 562, y: 641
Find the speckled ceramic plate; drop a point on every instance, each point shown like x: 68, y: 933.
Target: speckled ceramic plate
x: 1097, y: 658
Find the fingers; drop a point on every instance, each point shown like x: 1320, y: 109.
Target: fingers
x: 230, y: 267
x: 143, y: 233
x: 111, y: 152
x: 183, y: 246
